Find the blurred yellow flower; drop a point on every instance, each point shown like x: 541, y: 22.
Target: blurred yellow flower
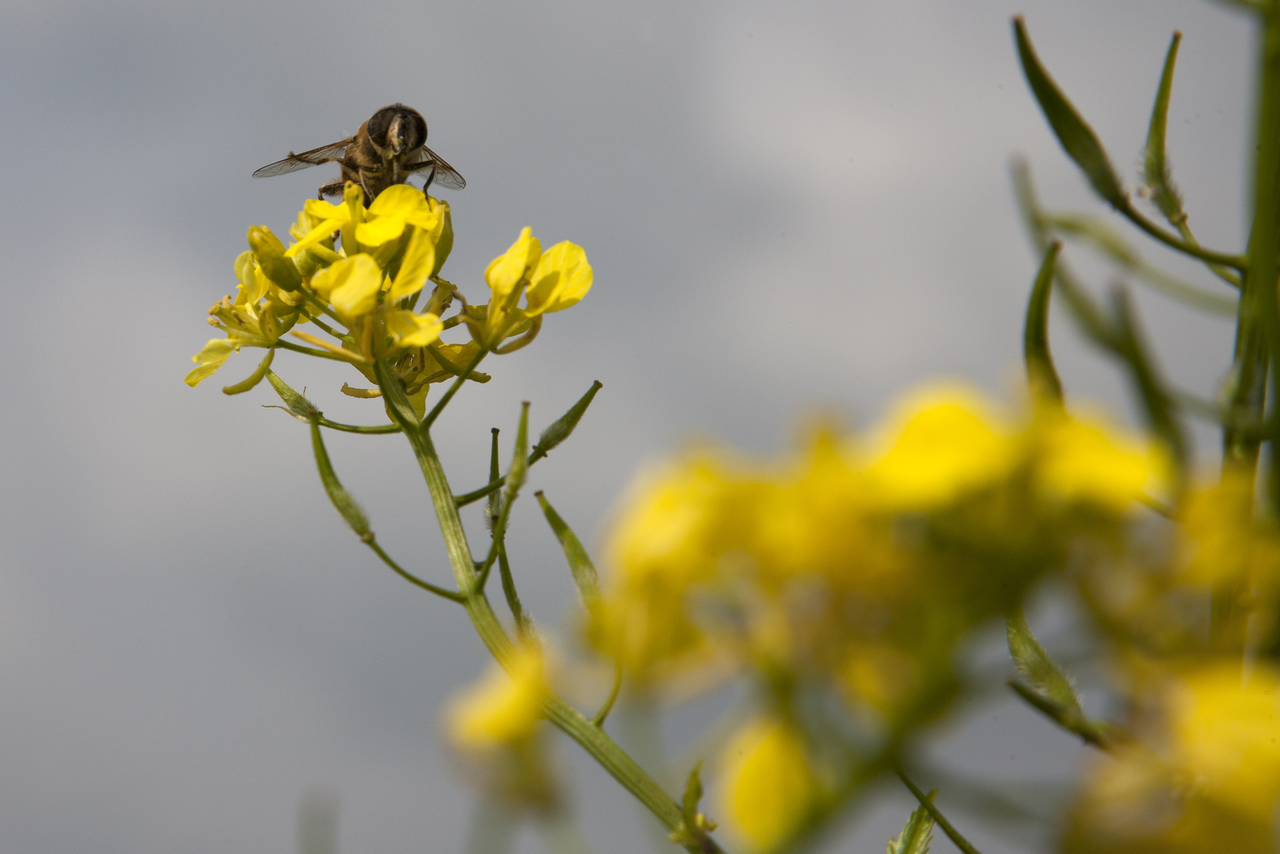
x: 941, y: 443
x: 769, y: 790
x: 502, y: 710
x: 669, y: 536
x: 1084, y: 460
x: 1204, y: 777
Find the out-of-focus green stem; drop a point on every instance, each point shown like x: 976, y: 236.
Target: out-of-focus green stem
x: 947, y: 827
x: 1264, y: 242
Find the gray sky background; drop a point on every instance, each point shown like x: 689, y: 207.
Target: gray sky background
x: 787, y: 205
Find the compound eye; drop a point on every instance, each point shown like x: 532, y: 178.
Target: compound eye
x: 380, y: 124
x: 419, y: 125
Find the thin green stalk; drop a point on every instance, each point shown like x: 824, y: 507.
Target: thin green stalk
x: 509, y: 591
x: 453, y: 389
x: 359, y: 428
x: 1208, y: 256
x: 310, y: 351
x: 601, y: 715
x: 1264, y: 242
x: 409, y: 576
x: 320, y: 324
x: 947, y: 827
x: 591, y: 738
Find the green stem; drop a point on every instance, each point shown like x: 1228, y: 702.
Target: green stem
x: 1264, y: 242
x: 358, y: 428
x: 591, y: 738
x: 1134, y: 216
x: 409, y: 576
x: 510, y: 592
x: 310, y: 351
x: 938, y: 817
x: 453, y: 389
x: 599, y: 719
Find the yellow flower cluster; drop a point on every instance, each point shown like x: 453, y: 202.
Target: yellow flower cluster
x: 1201, y: 770
x: 853, y: 571
x: 362, y: 292
x: 1204, y: 776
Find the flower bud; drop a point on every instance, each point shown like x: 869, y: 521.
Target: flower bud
x: 269, y: 251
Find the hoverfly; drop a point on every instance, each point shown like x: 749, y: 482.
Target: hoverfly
x: 387, y: 149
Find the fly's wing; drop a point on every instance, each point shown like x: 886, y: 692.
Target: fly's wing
x: 445, y: 175
x: 314, y: 157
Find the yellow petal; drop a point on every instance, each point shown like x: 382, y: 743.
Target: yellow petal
x: 561, y: 279
x: 351, y: 286
x: 414, y: 330
x: 209, y: 359
x: 318, y: 209
x: 400, y: 200
x: 315, y: 236
x: 418, y: 263
x: 506, y: 271
x: 384, y: 229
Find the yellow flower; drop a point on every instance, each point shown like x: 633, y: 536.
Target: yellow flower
x: 1224, y: 543
x: 941, y: 443
x: 413, y: 330
x: 1206, y: 778
x: 1083, y: 460
x: 669, y: 537
x: 503, y: 710
x: 560, y: 280
x: 351, y: 286
x: 512, y: 267
x: 769, y: 788
x: 550, y: 281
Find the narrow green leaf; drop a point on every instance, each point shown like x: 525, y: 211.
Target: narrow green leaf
x: 584, y: 571
x: 563, y: 426
x: 254, y: 378
x: 916, y: 834
x: 1155, y: 166
x: 1035, y: 667
x: 1041, y: 373
x: 1082, y: 307
x: 692, y: 795
x: 346, y: 506
x: 1075, y: 135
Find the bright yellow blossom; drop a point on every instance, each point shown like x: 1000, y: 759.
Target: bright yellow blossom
x: 560, y: 280
x: 413, y: 330
x: 550, y: 281
x: 351, y: 286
